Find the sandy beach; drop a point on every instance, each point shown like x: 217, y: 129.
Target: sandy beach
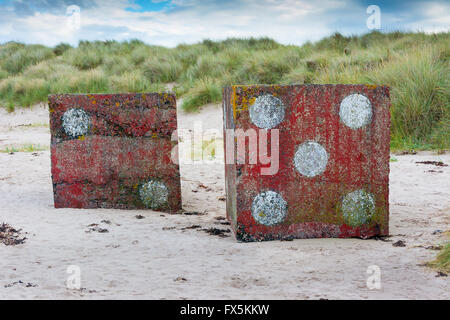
x: 151, y: 255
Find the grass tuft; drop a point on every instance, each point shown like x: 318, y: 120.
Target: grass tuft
x: 442, y: 261
x: 204, y: 91
x: 24, y: 148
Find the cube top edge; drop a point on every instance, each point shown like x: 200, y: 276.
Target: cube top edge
x: 275, y: 86
x: 152, y: 98
x: 110, y: 94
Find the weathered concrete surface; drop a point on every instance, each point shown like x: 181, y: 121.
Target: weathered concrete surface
x: 107, y: 149
x: 333, y: 162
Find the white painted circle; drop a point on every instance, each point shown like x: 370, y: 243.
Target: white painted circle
x: 310, y: 159
x: 76, y: 122
x: 267, y: 111
x: 356, y: 111
x: 269, y: 208
x: 358, y: 208
x: 154, y: 194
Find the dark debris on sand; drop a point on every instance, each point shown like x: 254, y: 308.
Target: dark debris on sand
x: 10, y: 236
x: 193, y: 213
x: 436, y: 171
x: 222, y: 221
x: 399, y: 243
x: 94, y: 227
x: 195, y: 226
x: 217, y: 232
x: 383, y: 238
x: 20, y: 282
x: 436, y: 163
x: 405, y: 152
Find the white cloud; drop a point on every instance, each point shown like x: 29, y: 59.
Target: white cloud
x: 287, y: 21
x: 436, y: 18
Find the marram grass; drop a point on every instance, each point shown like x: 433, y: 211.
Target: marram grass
x: 415, y: 65
x: 442, y: 260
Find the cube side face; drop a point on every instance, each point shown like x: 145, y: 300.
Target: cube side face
x: 230, y: 167
x: 114, y: 151
x: 333, y: 172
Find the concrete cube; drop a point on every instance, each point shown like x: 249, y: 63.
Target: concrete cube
x: 332, y: 176
x: 114, y: 151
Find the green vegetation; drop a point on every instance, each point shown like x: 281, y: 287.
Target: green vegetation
x: 24, y: 148
x: 415, y: 66
x: 442, y: 261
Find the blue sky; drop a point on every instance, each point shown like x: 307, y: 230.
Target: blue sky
x: 147, y: 5
x: 170, y: 22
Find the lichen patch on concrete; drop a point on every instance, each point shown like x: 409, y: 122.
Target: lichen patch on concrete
x: 154, y: 194
x: 76, y: 122
x: 267, y: 111
x: 358, y: 208
x: 269, y: 208
x: 356, y: 111
x: 310, y: 159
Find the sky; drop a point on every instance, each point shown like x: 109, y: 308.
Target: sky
x: 171, y: 22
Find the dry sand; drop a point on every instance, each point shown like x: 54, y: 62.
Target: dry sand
x: 156, y: 258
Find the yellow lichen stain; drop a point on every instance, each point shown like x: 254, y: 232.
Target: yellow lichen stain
x: 248, y: 96
x: 233, y: 102
x: 333, y: 214
x: 244, y: 105
x: 245, y: 102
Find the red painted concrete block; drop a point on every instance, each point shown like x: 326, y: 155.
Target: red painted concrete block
x: 332, y: 147
x: 114, y: 151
